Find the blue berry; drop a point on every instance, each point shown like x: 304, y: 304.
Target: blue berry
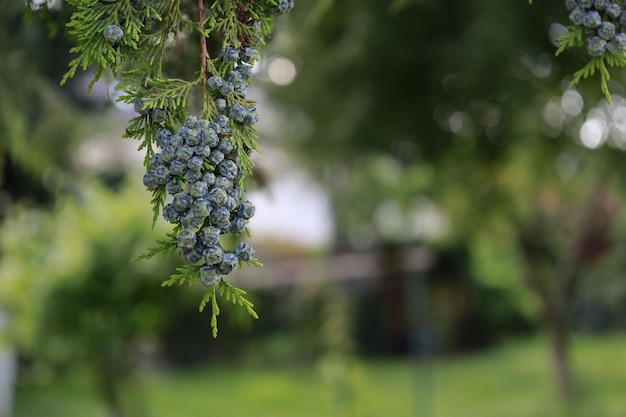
x: 186, y: 239
x: 597, y: 4
x: 163, y: 137
x: 202, y: 150
x: 228, y: 169
x: 176, y: 141
x: 190, y: 221
x: 237, y: 225
x: 201, y: 208
x: 215, y: 82
x: 248, y: 55
x: 168, y: 154
x: 230, y: 203
x: 220, y: 218
x: 113, y: 33
x: 220, y: 103
x: 209, y: 235
x: 592, y: 20
x: 192, y: 175
x: 221, y: 120
x: 244, y: 251
x: 195, y: 163
x: 246, y: 209
x: 619, y: 41
x: 194, y: 137
x: 585, y: 4
x: 230, y: 261
x: 230, y: 55
x: 173, y: 187
x: 203, y: 124
x: 227, y: 89
x: 140, y: 107
x: 245, y: 70
x: 162, y: 175
x: 181, y: 202
x: 576, y: 16
x: 216, y: 157
x: 251, y: 117
x: 184, y: 153
x: 223, y: 183
x: 170, y: 214
x: 193, y: 255
x: 225, y: 146
x: 281, y: 7
x: 213, y: 255
x: 237, y: 112
x: 158, y: 114
x: 178, y: 168
x: 190, y: 121
x: 150, y: 180
x: 199, y: 189
x: 156, y: 161
x: 606, y: 31
x: 209, y: 178
x: 596, y: 46
x: 209, y: 276
x: 612, y: 10
x: 217, y: 196
x: 212, y: 139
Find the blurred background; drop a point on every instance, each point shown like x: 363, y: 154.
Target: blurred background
x: 440, y: 215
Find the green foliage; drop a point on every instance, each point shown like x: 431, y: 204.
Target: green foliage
x: 152, y: 32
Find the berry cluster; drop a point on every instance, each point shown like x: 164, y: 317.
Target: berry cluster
x: 200, y: 169
x: 239, y: 65
x: 603, y: 22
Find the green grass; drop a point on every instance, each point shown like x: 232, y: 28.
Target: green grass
x: 510, y: 381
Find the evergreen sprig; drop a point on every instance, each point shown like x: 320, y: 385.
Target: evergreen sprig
x: 132, y: 38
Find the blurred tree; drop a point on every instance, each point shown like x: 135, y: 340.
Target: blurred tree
x: 453, y: 120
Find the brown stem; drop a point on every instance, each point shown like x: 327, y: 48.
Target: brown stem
x: 204, y: 56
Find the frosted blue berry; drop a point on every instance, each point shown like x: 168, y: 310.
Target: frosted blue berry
x: 209, y: 276
x: 213, y: 255
x: 246, y: 210
x: 212, y: 139
x: 228, y: 169
x: 203, y: 124
x: 158, y: 115
x: 596, y: 46
x: 606, y: 31
x: 192, y: 175
x: 162, y: 175
x: 168, y: 154
x: 178, y: 168
x: 237, y: 112
x: 202, y: 150
x: 199, y: 189
x: 220, y: 218
x: 571, y: 4
x: 245, y: 70
x: 237, y: 225
x: 147, y: 82
x: 576, y: 16
x: 592, y: 20
x: 140, y: 107
x: 619, y: 42
x: 163, y: 137
x: 176, y: 141
x: 193, y: 255
x: 230, y: 55
x: 150, y: 180
x: 215, y: 82
x: 173, y: 187
x: 223, y: 183
x: 189, y: 221
x: 225, y: 146
x: 227, y: 88
x: 181, y: 202
x: 217, y: 196
x: 221, y: 120
x: 184, y: 153
x: 220, y: 103
x: 281, y: 7
x: 209, y: 236
x: 190, y: 121
x: 230, y: 203
x: 201, y: 208
x: 216, y: 157
x: 195, y: 163
x: 612, y: 10
x: 209, y: 178
x: 113, y: 33
x: 597, y: 4
x: 585, y: 4
x: 244, y: 251
x: 156, y: 161
x: 234, y: 77
x: 194, y: 137
x: 170, y: 214
x: 248, y: 55
x: 230, y: 261
x: 251, y: 117
x: 186, y: 239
